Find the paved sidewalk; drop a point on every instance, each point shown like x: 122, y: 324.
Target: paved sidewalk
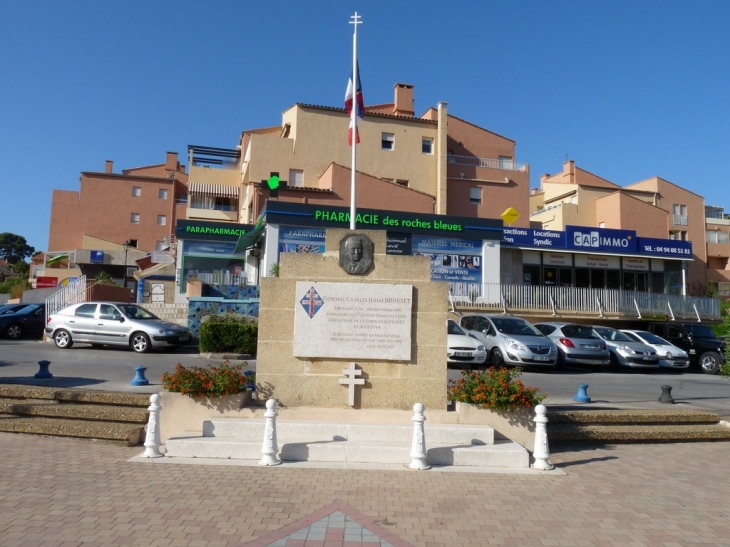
x: 66, y: 492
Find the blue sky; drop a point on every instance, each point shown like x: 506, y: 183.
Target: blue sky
x: 628, y: 90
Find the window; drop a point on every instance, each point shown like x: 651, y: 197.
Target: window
x: 163, y: 193
x: 388, y: 141
x: 402, y: 182
x: 161, y: 245
x: 161, y: 220
x: 135, y: 218
x: 85, y: 310
x: 679, y: 215
x: 427, y: 146
x: 716, y: 236
x: 450, y: 156
x: 296, y: 178
x: 601, y: 224
x: 475, y: 195
x: 218, y: 203
x: 136, y: 191
x: 680, y: 235
x: 505, y: 162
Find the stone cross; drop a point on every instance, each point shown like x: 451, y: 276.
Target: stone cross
x: 351, y: 381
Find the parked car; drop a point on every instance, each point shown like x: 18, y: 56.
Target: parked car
x: 577, y: 344
x: 462, y: 348
x: 705, y: 350
x: 114, y: 324
x: 28, y: 320
x: 511, y: 340
x: 670, y: 356
x: 626, y: 352
x: 12, y: 308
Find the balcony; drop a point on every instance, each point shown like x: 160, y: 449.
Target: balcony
x: 504, y: 164
x: 570, y: 303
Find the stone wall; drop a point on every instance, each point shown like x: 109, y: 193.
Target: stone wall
x: 174, y: 313
x: 314, y: 382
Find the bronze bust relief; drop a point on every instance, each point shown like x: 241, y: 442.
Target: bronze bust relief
x: 356, y: 253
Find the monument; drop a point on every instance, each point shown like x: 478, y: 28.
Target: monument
x: 353, y: 328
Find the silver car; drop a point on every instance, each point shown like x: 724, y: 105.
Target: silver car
x: 114, y: 324
x: 510, y: 340
x: 670, y: 356
x: 577, y: 344
x: 625, y: 352
x: 462, y: 348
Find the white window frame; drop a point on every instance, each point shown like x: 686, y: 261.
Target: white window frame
x: 296, y: 178
x: 163, y: 193
x: 427, y: 141
x: 475, y: 195
x: 136, y: 191
x: 162, y: 220
x: 134, y: 218
x: 387, y: 141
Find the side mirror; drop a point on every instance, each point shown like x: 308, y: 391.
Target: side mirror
x: 121, y: 319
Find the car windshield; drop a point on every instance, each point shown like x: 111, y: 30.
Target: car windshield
x: 513, y: 325
x: 579, y: 331
x: 612, y: 335
x: 455, y: 329
x: 136, y: 312
x: 650, y: 338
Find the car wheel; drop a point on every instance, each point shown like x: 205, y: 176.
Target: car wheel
x: 710, y: 362
x: 560, y: 361
x: 14, y: 331
x: 497, y: 358
x: 62, y: 339
x: 140, y: 342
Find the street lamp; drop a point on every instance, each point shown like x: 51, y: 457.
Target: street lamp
x: 126, y: 245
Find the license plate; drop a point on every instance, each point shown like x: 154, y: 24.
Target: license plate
x: 184, y: 338
x: 590, y: 346
x: 462, y: 354
x: 541, y: 358
x: 649, y: 358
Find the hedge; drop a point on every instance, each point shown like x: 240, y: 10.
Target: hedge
x: 229, y: 333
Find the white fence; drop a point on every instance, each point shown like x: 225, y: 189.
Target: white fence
x: 73, y: 293
x: 553, y: 299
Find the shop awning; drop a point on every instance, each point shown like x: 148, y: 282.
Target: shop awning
x: 218, y: 190
x: 249, y: 239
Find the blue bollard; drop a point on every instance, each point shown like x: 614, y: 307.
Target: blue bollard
x: 43, y: 372
x: 139, y: 379
x: 582, y: 395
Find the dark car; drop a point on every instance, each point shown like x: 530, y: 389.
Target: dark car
x: 12, y: 308
x: 705, y: 350
x: 30, y: 320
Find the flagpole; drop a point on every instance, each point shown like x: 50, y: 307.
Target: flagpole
x: 353, y: 121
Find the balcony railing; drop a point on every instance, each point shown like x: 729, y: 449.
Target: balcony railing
x: 226, y: 278
x: 593, y: 302
x: 679, y: 220
x: 508, y: 165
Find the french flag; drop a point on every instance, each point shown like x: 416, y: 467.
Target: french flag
x: 359, y: 106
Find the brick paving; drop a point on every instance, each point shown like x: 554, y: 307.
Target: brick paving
x: 68, y: 492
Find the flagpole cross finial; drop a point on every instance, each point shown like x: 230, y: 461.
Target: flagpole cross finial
x: 356, y: 20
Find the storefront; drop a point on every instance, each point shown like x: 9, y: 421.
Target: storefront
x: 600, y: 258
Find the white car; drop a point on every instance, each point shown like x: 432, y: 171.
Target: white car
x: 670, y: 356
x: 462, y: 348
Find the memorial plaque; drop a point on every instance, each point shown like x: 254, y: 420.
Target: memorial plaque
x: 353, y: 320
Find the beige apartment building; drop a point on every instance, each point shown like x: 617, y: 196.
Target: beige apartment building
x: 436, y: 163
x: 654, y: 208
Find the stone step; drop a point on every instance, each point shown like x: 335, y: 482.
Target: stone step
x: 56, y: 409
x: 633, y: 416
x: 300, y: 431
x: 18, y: 391
x: 502, y: 454
x: 130, y: 434
x: 593, y: 432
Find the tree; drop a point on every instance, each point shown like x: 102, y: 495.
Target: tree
x: 14, y: 248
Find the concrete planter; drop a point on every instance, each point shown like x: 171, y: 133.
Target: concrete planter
x: 184, y: 413
x: 517, y: 426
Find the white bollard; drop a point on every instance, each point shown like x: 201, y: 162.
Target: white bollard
x: 152, y: 439
x: 418, y: 447
x: 269, y: 448
x: 541, y: 453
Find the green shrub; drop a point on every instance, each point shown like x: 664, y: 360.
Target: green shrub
x: 229, y: 332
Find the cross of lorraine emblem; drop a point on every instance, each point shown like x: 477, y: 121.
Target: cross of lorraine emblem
x: 311, y: 302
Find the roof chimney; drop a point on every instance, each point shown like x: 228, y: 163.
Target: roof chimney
x: 171, y: 161
x: 108, y: 166
x: 403, y: 100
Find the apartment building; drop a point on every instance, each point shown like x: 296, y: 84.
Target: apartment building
x: 717, y: 234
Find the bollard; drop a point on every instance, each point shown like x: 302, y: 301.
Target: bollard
x: 43, y: 371
x: 541, y: 451
x: 269, y: 448
x: 666, y: 395
x: 250, y: 383
x: 152, y: 439
x: 139, y: 379
x: 418, y: 447
x: 582, y: 395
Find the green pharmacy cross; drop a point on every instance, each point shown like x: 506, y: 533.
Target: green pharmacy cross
x: 274, y: 183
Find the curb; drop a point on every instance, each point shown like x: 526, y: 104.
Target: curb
x: 228, y: 356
